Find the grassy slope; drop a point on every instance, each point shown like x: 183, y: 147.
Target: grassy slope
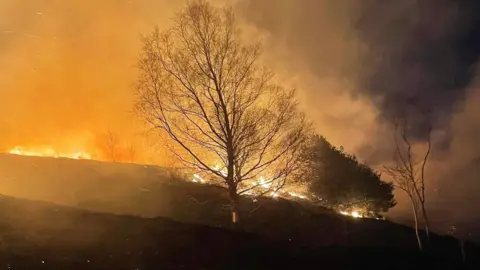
x: 150, y: 191
x: 36, y: 235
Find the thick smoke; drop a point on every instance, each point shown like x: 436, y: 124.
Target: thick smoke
x: 411, y: 59
x: 420, y: 58
x: 312, y: 45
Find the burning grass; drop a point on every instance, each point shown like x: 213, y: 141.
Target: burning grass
x: 48, y: 151
x: 259, y: 187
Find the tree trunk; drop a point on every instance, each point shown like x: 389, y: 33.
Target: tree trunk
x: 234, y: 202
x: 415, y: 216
x: 462, y: 246
x: 425, y: 219
x: 235, y: 214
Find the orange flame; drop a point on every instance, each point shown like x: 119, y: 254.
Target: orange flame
x: 48, y: 152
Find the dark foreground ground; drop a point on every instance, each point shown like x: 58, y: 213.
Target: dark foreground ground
x: 37, y: 235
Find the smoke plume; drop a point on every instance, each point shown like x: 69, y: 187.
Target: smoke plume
x: 420, y: 58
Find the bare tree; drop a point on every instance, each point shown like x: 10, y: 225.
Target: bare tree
x: 132, y: 151
x: 226, y: 119
x: 408, y: 175
x: 111, y: 141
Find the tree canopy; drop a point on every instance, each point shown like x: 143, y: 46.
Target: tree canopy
x: 339, y: 180
x: 201, y: 85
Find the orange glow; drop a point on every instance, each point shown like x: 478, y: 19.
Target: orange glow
x: 86, y: 147
x: 49, y: 152
x: 263, y: 185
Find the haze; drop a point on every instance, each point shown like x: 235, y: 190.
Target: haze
x: 68, y: 67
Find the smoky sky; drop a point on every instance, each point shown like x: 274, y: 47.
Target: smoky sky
x: 420, y: 57
x: 411, y: 59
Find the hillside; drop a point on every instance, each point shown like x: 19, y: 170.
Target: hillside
x: 150, y: 191
x: 37, y: 235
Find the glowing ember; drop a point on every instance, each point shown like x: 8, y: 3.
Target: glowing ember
x: 296, y: 195
x: 354, y: 214
x: 218, y: 169
x: 198, y: 179
x: 264, y: 185
x: 48, y: 152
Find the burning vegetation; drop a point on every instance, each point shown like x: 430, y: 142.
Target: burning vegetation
x: 48, y: 152
x: 101, y: 147
x: 262, y: 186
